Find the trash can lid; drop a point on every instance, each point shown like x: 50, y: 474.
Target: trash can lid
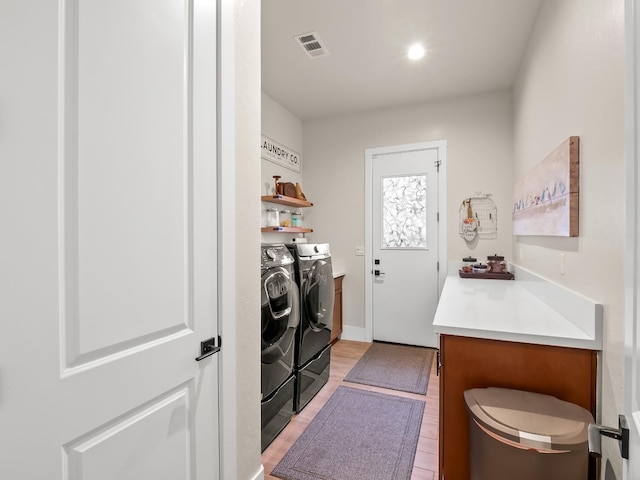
x: 530, y: 419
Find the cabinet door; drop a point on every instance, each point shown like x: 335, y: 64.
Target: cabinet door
x: 566, y: 373
x: 336, y: 328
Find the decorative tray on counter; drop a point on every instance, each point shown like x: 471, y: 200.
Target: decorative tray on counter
x: 495, y: 276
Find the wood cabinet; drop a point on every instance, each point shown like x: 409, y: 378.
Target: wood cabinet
x: 566, y: 373
x: 336, y: 326
x: 290, y: 202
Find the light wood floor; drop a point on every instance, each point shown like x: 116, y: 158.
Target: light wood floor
x: 344, y: 355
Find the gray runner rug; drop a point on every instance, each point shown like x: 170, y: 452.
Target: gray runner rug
x: 399, y: 367
x: 357, y: 435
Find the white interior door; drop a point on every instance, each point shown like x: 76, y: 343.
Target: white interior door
x: 404, y: 239
x: 108, y: 250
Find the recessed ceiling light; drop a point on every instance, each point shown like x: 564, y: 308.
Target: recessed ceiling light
x: 415, y: 52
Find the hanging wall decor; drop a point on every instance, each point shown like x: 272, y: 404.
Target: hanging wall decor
x: 546, y: 200
x: 478, y: 216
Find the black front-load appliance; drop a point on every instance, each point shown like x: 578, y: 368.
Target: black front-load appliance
x: 314, y: 275
x: 280, y: 318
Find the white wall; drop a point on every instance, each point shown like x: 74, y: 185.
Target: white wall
x: 571, y: 82
x: 247, y: 320
x: 479, y: 134
x: 285, y: 128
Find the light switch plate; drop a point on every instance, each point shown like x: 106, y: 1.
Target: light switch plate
x: 360, y: 251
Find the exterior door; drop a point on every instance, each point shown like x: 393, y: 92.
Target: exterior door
x: 108, y: 250
x: 404, y: 239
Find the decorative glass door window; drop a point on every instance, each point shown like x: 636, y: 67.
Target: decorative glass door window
x: 404, y: 212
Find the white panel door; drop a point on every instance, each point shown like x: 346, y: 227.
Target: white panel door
x: 108, y: 250
x: 405, y: 245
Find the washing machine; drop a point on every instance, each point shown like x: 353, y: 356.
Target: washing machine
x: 314, y: 275
x: 280, y: 313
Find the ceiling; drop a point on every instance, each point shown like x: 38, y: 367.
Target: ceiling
x: 472, y: 47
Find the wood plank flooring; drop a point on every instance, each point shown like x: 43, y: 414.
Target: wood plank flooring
x: 344, y: 355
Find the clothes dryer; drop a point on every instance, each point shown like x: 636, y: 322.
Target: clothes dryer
x: 280, y: 316
x: 314, y: 275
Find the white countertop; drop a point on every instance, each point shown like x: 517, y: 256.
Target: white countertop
x: 508, y: 310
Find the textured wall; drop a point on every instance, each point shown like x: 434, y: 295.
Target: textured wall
x: 285, y: 128
x: 247, y: 95
x: 479, y: 134
x: 571, y: 82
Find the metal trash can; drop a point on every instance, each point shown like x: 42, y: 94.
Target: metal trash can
x: 526, y: 436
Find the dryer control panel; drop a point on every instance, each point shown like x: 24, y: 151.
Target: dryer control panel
x: 275, y: 255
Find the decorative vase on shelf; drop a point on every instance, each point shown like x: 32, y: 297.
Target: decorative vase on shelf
x: 299, y: 194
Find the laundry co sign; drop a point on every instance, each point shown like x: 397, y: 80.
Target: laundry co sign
x: 277, y: 153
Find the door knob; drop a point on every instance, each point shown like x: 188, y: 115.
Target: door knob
x: 596, y: 432
x: 378, y: 273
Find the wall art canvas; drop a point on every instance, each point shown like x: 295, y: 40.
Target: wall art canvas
x: 546, y: 200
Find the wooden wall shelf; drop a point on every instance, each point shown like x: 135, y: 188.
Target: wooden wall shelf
x: 286, y: 229
x: 284, y: 200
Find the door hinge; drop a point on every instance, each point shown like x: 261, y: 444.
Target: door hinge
x: 438, y: 163
x: 208, y: 347
x: 437, y: 216
x: 437, y: 266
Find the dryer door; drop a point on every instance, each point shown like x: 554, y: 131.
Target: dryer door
x: 279, y: 312
x: 319, y: 295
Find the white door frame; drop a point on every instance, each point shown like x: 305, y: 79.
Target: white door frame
x: 632, y: 234
x: 369, y: 153
x: 227, y: 365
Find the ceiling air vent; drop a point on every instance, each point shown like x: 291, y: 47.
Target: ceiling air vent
x: 312, y: 45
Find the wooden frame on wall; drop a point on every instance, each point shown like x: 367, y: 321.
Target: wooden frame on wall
x: 546, y: 200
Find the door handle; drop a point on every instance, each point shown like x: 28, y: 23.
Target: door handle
x: 208, y: 347
x: 595, y: 433
x: 378, y: 273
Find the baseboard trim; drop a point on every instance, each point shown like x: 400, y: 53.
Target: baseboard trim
x: 357, y: 334
x: 260, y: 474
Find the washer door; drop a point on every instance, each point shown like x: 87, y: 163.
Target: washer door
x: 318, y: 295
x: 279, y: 312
